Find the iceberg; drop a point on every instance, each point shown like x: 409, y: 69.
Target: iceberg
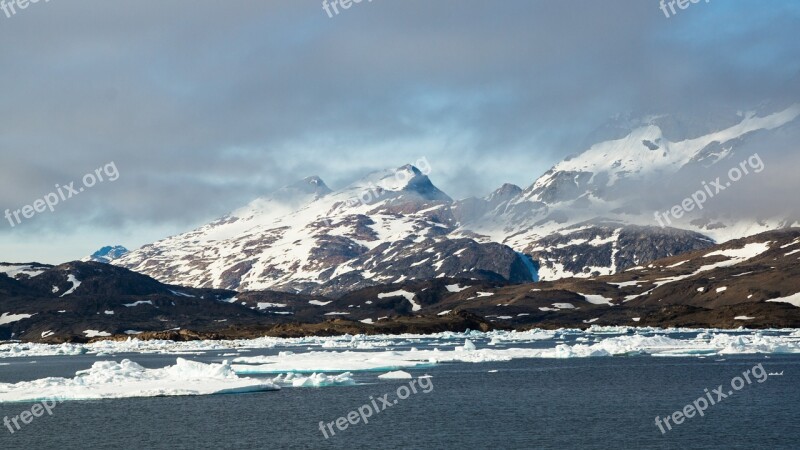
x: 111, y: 379
x: 315, y: 380
x: 396, y: 375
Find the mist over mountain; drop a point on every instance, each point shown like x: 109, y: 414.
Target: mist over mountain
x: 607, y: 209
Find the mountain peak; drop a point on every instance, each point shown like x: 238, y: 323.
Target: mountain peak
x: 506, y: 191
x: 309, y: 185
x: 107, y: 254
x: 407, y: 179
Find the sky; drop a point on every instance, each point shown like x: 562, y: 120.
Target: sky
x: 201, y: 106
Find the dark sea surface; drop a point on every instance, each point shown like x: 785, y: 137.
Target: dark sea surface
x: 585, y: 403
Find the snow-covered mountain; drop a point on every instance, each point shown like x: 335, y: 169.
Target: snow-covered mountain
x: 591, y: 214
x: 594, y: 213
x: 388, y: 227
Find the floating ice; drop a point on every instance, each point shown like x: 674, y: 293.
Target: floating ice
x: 111, y: 379
x: 396, y: 375
x: 468, y: 345
x: 314, y: 380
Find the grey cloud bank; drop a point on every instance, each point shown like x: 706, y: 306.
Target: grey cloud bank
x: 210, y: 106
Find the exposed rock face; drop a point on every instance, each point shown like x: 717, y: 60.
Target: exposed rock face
x: 605, y: 248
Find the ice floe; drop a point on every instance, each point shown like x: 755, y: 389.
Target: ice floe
x: 396, y: 375
x: 111, y: 379
x: 350, y: 353
x: 314, y: 380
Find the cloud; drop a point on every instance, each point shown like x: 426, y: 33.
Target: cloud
x: 204, y: 105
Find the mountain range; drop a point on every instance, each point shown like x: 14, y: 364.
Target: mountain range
x: 750, y: 282
x: 585, y: 217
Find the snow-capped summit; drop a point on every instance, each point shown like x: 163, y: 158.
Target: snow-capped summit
x: 608, y: 169
x: 107, y: 254
x: 389, y: 226
x: 403, y: 182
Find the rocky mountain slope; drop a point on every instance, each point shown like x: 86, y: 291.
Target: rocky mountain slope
x: 750, y: 282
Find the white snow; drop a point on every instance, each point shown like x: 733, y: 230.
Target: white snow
x: 596, y: 299
x: 95, y: 333
x: 677, y: 264
x: 15, y: 270
x: 182, y: 294
x: 455, y: 287
x: 403, y: 293
x: 75, y: 283
x: 318, y: 303
x: 7, y: 318
x: 742, y: 254
x: 792, y: 300
x: 265, y: 305
x: 722, y: 289
x: 626, y: 283
x: 743, y: 318
x: 137, y: 303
